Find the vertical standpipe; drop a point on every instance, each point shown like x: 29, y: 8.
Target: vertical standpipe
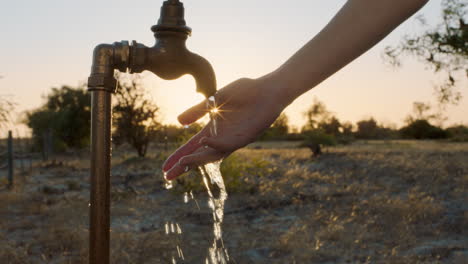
x: 100, y: 176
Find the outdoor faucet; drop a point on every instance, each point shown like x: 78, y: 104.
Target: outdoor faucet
x: 169, y: 59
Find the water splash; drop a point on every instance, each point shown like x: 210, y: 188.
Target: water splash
x: 167, y: 183
x: 217, y: 195
x: 213, y: 180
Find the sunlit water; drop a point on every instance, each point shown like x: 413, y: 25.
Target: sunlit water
x: 217, y: 195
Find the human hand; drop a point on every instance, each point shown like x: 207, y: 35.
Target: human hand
x: 246, y: 108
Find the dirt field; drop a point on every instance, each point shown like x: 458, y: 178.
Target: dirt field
x: 370, y: 202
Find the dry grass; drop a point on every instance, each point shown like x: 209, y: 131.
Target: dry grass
x: 371, y: 202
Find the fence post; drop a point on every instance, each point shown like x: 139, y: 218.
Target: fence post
x: 10, y: 159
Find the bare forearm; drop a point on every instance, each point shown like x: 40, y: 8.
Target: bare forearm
x: 357, y: 27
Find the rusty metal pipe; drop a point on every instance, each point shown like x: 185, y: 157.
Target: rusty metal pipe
x: 169, y: 59
x: 100, y: 177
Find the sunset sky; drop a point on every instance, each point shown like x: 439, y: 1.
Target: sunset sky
x: 49, y: 43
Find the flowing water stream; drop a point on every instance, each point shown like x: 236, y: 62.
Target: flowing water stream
x: 217, y: 195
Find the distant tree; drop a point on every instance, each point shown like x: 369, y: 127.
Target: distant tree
x: 347, y: 128
x: 331, y: 126
x: 367, y: 129
x: 421, y: 109
x: 424, y: 111
x: 135, y: 116
x: 422, y: 129
x: 316, y: 114
x: 370, y: 129
x: 315, y: 139
x: 278, y: 130
x: 458, y: 133
x: 444, y: 48
x: 65, y: 114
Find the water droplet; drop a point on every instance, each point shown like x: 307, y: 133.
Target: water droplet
x: 180, y: 252
x: 167, y: 183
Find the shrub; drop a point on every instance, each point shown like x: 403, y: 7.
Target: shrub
x: 370, y: 129
x: 317, y: 138
x: 422, y: 129
x: 63, y: 119
x: 458, y: 133
x: 240, y: 175
x: 135, y: 116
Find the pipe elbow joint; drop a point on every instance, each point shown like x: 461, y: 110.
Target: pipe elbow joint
x: 106, y: 59
x: 103, y: 59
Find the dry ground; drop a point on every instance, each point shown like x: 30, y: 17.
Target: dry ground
x: 370, y: 202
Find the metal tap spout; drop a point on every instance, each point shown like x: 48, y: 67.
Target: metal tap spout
x: 169, y: 58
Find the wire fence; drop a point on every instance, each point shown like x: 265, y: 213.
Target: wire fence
x: 15, y: 157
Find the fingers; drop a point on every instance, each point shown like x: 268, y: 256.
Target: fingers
x: 217, y: 143
x: 188, y: 148
x: 192, y: 161
x: 193, y: 114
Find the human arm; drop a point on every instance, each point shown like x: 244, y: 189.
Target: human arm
x: 251, y: 105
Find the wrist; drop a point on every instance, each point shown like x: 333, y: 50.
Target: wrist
x: 284, y: 89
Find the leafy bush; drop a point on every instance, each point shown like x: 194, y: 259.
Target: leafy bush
x: 318, y: 136
x: 370, y: 129
x: 422, y: 129
x: 135, y: 116
x: 64, y: 118
x: 458, y: 133
x: 278, y: 130
x: 240, y: 175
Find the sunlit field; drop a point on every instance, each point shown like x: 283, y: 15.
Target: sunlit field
x: 369, y: 202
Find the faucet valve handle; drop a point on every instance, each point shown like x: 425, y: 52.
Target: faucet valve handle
x: 172, y: 18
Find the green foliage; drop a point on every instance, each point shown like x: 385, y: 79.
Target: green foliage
x: 316, y: 114
x: 367, y: 129
x: 324, y: 129
x: 424, y: 111
x: 422, y: 129
x: 319, y: 137
x: 444, y: 48
x: 278, y: 130
x: 332, y: 126
x: 370, y: 129
x: 135, y: 116
x: 458, y: 133
x: 240, y: 175
x: 65, y: 114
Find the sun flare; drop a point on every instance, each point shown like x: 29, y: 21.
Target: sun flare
x: 215, y: 110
